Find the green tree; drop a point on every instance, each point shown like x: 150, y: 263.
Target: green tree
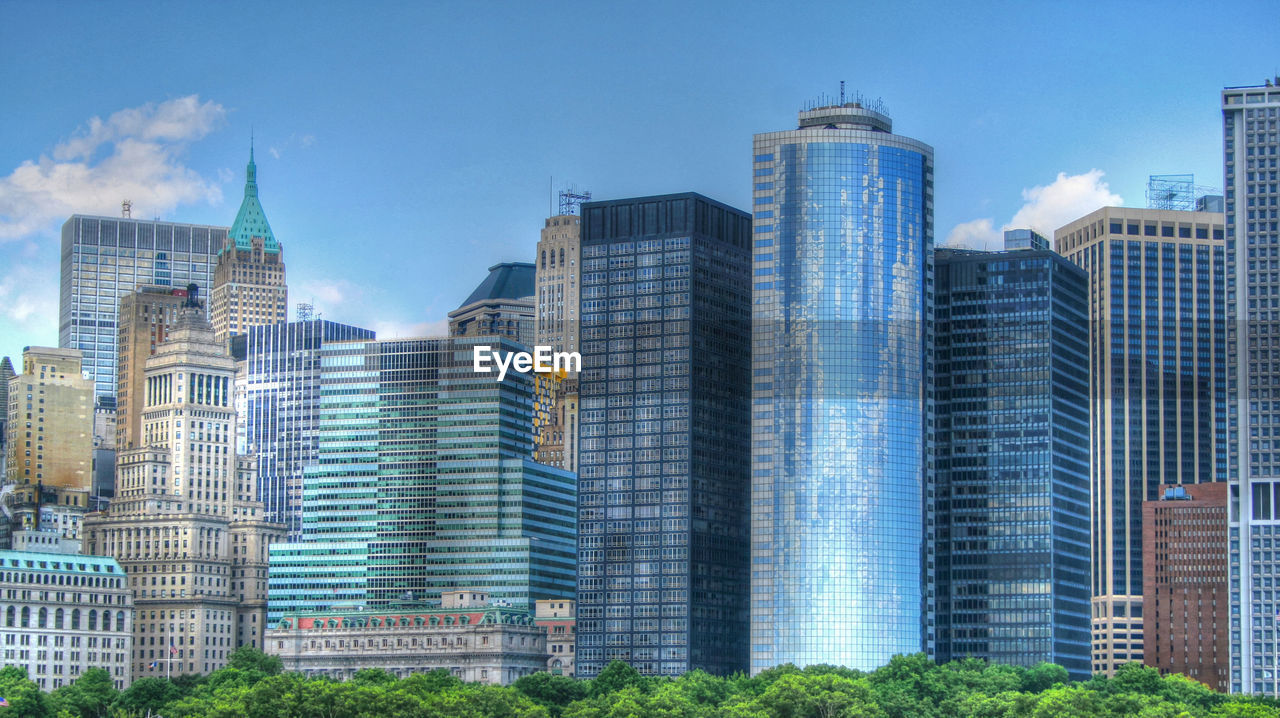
x: 373, y: 676
x: 801, y: 695
x: 147, y: 695
x: 89, y: 696
x: 25, y: 698
x: 551, y: 691
x: 1044, y: 676
x: 616, y: 676
x: 248, y: 658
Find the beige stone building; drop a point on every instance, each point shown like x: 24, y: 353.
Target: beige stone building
x: 558, y: 618
x: 50, y: 421
x: 249, y: 287
x: 146, y: 318
x: 557, y: 293
x: 467, y: 635
x: 1157, y: 389
x: 184, y: 523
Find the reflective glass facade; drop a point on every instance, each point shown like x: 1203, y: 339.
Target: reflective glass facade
x: 841, y: 426
x: 1012, y: 399
x: 1251, y: 153
x: 425, y: 483
x: 104, y: 258
x: 282, y: 408
x: 664, y: 442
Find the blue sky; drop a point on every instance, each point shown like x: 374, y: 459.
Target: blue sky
x: 405, y: 147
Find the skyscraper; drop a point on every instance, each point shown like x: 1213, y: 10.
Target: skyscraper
x: 145, y: 319
x: 282, y: 409
x: 1156, y: 358
x: 50, y: 422
x: 663, y: 508
x: 185, y: 523
x: 557, y: 326
x: 104, y: 258
x: 6, y: 373
x: 502, y: 305
x: 1012, y: 395
x: 1251, y: 145
x: 249, y: 287
x: 842, y: 453
x: 425, y: 482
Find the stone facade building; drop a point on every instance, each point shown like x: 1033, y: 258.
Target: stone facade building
x: 185, y: 523
x: 559, y: 620
x: 469, y: 636
x: 62, y: 614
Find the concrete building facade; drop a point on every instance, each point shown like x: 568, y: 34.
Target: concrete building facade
x: 62, y: 614
x: 1157, y: 389
x: 185, y: 523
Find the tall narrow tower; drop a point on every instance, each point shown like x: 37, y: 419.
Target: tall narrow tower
x: 842, y: 456
x: 249, y: 287
x: 1251, y: 146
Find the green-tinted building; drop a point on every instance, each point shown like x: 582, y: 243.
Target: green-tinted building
x: 425, y: 483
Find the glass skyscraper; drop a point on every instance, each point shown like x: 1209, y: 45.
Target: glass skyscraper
x: 105, y: 258
x: 282, y: 408
x: 1251, y: 151
x: 663, y: 506
x: 842, y: 454
x: 425, y: 482
x: 1012, y: 398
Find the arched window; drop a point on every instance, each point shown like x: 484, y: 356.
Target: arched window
x: 93, y: 619
x: 120, y: 621
x: 10, y: 617
x: 562, y: 256
x: 57, y: 618
x: 106, y: 620
x: 75, y: 619
x: 26, y: 617
x: 43, y: 620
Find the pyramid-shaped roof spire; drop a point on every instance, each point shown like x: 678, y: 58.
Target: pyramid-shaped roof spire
x: 251, y: 221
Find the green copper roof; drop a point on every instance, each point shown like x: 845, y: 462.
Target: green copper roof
x: 251, y: 221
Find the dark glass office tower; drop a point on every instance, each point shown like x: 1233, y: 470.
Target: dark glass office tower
x: 664, y: 463
x: 1012, y: 505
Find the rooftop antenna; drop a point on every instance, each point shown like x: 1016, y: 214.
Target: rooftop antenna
x: 126, y: 208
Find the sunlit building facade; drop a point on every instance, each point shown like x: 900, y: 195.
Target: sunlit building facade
x: 842, y: 458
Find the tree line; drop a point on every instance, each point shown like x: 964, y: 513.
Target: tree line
x: 253, y: 686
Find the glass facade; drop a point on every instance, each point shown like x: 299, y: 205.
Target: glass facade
x: 1012, y: 400
x: 842, y: 457
x: 663, y: 436
x: 1251, y: 146
x: 105, y: 258
x: 281, y: 409
x: 424, y: 483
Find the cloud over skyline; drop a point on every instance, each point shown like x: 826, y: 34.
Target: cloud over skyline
x: 1045, y: 208
x: 135, y: 154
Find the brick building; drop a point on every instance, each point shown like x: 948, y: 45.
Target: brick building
x: 1185, y: 592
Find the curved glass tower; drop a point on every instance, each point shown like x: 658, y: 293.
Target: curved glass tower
x: 841, y: 450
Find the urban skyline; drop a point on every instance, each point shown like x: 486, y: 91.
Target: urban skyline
x: 994, y: 110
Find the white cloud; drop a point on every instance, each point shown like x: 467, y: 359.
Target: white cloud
x: 1045, y: 208
x: 29, y: 301
x: 978, y: 234
x: 134, y: 154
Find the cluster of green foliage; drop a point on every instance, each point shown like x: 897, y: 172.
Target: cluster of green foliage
x: 253, y: 686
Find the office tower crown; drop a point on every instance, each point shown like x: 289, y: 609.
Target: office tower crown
x: 849, y: 116
x: 251, y: 221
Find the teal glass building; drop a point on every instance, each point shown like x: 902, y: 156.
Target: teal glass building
x: 424, y: 482
x: 1011, y: 390
x: 841, y: 450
